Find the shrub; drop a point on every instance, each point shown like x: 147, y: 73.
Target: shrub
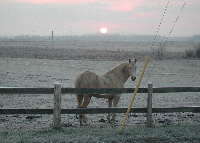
x: 193, y: 52
x: 197, y: 52
x: 189, y: 53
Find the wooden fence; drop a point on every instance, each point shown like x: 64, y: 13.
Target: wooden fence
x: 58, y: 90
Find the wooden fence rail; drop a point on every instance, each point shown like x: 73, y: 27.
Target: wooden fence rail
x: 25, y: 90
x: 194, y: 109
x: 57, y: 91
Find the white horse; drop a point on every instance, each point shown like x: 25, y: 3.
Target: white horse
x: 114, y: 78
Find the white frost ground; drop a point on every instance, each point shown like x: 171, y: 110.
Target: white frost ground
x: 16, y: 72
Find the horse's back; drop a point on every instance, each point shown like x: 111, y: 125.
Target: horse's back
x: 90, y: 79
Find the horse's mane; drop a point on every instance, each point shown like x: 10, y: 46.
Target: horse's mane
x: 116, y: 69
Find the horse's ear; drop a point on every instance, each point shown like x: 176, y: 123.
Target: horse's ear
x: 129, y: 60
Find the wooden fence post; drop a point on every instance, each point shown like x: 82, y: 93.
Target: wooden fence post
x: 149, y: 105
x: 57, y: 106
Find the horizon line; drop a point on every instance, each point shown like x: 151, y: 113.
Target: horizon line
x: 99, y: 35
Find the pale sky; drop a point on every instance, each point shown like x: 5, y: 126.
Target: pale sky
x: 77, y: 17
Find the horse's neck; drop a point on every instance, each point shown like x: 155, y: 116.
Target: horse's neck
x: 117, y: 74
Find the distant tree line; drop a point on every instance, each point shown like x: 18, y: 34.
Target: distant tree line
x: 193, y: 52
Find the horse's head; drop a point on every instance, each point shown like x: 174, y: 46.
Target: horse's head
x: 132, y: 69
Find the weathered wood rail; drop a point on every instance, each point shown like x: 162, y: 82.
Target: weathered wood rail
x: 25, y: 90
x: 57, y: 91
x: 194, y: 109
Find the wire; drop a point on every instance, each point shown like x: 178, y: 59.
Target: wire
x: 159, y: 26
x: 156, y: 36
x: 164, y: 41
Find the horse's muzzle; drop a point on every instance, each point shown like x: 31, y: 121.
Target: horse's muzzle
x: 133, y: 78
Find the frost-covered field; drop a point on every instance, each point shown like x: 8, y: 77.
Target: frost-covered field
x: 136, y: 134
x: 16, y: 72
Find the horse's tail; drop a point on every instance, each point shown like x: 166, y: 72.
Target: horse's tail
x: 79, y: 97
x: 84, y: 80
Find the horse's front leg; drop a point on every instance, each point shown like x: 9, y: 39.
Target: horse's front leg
x: 86, y: 101
x: 115, y: 102
x: 79, y: 100
x: 109, y: 105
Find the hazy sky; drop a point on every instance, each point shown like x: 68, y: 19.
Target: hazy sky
x: 72, y: 17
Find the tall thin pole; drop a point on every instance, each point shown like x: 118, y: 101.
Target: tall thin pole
x: 52, y: 39
x: 123, y: 122
x: 52, y: 35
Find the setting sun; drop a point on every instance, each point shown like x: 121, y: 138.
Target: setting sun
x: 103, y: 30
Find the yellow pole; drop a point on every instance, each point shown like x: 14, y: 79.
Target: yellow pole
x: 123, y: 122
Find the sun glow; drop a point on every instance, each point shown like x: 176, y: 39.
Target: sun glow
x: 103, y: 30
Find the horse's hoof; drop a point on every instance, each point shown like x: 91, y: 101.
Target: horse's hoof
x: 113, y: 122
x: 109, y: 121
x: 102, y: 120
x: 84, y: 124
x: 76, y: 116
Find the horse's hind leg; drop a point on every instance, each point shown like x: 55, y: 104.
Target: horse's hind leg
x: 79, y: 100
x: 115, y: 102
x: 86, y: 101
x: 109, y: 105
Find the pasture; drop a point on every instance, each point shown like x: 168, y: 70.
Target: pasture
x: 168, y: 134
x: 43, y: 73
